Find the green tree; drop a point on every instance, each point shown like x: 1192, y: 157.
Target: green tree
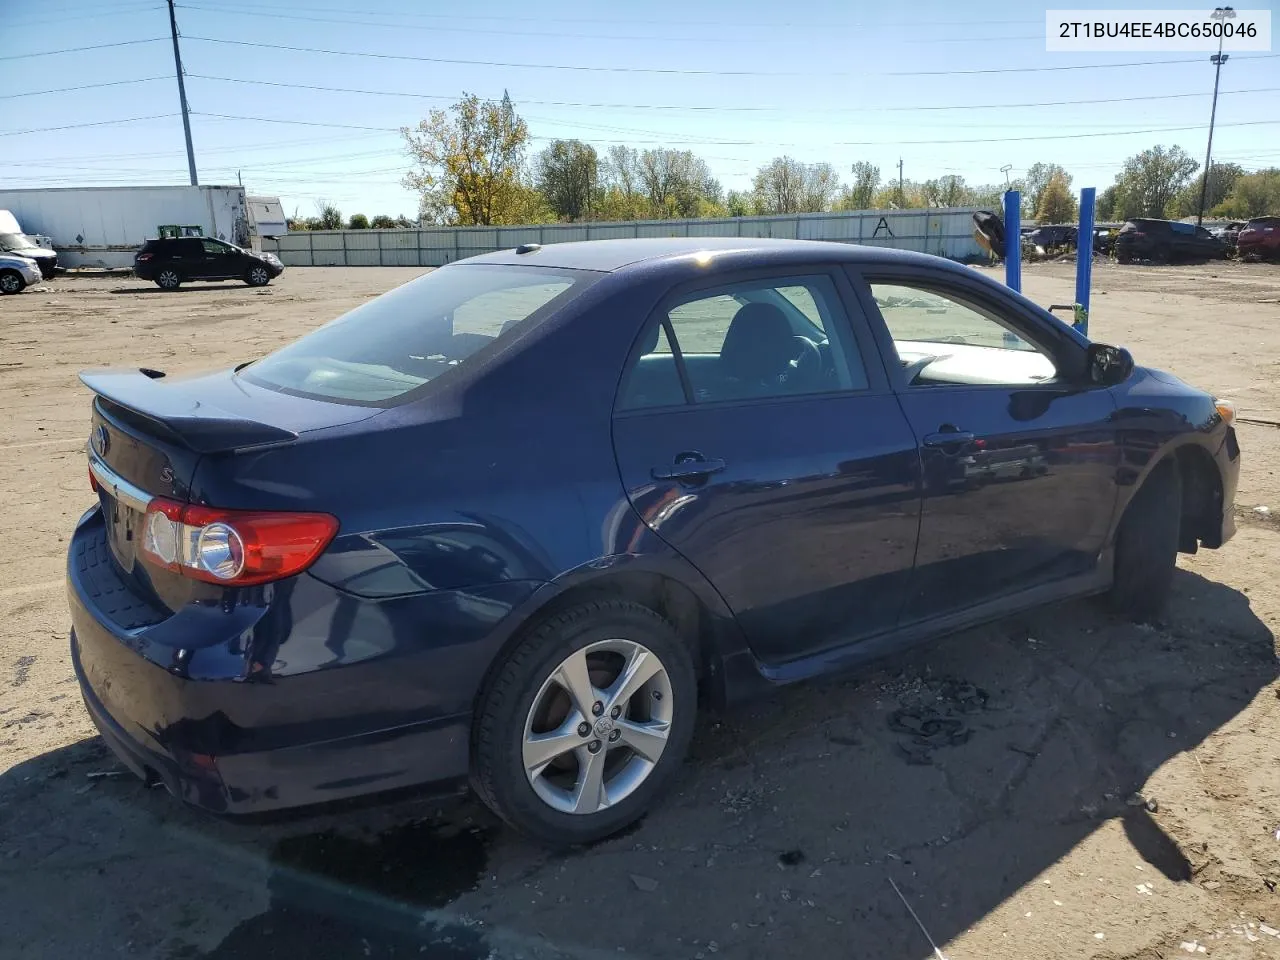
x: 330, y: 217
x: 1105, y: 208
x: 358, y: 221
x: 1222, y: 177
x: 738, y: 204
x: 907, y: 196
x: 988, y: 196
x: 469, y: 162
x: 1150, y: 181
x: 1253, y: 195
x: 1056, y: 204
x: 786, y: 185
x: 948, y: 191
x: 860, y: 194
x: 1036, y: 179
x: 675, y: 182
x: 566, y: 173
x: 382, y: 222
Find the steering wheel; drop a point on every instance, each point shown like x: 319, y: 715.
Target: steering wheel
x: 807, y: 364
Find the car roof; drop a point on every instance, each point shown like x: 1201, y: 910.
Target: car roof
x: 610, y: 256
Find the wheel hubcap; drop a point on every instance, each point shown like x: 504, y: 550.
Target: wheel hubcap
x: 598, y: 726
x: 169, y: 279
x: 260, y: 276
x: 9, y: 283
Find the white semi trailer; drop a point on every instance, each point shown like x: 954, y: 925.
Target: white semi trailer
x: 104, y: 226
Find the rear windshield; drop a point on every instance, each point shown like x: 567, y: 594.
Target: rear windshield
x: 383, y: 350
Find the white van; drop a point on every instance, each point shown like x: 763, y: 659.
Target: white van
x: 14, y: 241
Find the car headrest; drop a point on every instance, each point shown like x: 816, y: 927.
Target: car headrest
x: 650, y: 342
x: 759, y: 344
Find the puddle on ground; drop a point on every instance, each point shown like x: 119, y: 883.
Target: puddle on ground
x: 334, y: 896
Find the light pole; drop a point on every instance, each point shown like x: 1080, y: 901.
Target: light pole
x: 1218, y: 59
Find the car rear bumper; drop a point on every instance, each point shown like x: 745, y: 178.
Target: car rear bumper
x: 247, y: 707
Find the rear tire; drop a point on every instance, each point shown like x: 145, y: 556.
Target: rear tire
x: 1146, y: 550
x: 527, y: 699
x: 11, y: 281
x: 168, y: 279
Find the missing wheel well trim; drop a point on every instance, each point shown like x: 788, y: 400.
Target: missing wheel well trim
x: 1201, y: 499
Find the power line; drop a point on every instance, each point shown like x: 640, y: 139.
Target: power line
x: 724, y: 109
x: 95, y: 46
x: 555, y: 34
x: 83, y: 86
x: 457, y: 61
x: 613, y: 21
x: 775, y: 143
x: 47, y: 19
x: 100, y: 123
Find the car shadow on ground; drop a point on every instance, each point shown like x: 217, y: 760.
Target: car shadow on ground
x: 192, y: 287
x: 959, y: 771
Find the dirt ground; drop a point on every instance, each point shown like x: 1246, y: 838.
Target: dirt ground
x: 1102, y: 790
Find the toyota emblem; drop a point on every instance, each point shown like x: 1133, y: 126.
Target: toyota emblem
x: 100, y: 440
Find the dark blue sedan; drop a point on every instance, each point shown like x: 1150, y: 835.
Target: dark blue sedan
x: 501, y: 524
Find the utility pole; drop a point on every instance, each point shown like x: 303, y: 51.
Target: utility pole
x: 1218, y: 59
x: 902, y: 194
x: 182, y: 95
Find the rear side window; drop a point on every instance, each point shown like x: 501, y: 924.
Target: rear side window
x: 382, y: 351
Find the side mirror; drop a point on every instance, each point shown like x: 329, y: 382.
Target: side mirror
x: 1108, y: 365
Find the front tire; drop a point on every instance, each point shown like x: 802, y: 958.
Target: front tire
x: 168, y: 279
x: 1147, y: 545
x: 585, y: 723
x: 11, y: 281
x: 257, y: 277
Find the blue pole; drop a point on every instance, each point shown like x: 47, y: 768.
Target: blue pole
x: 1084, y: 259
x: 1013, y: 240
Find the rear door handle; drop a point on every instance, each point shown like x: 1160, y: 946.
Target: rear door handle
x: 688, y: 470
x: 948, y: 438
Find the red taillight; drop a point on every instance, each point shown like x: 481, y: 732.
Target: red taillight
x: 236, y: 548
x: 143, y: 257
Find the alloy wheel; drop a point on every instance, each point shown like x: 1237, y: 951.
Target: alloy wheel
x: 598, y: 726
x: 168, y: 279
x: 258, y: 276
x: 10, y: 283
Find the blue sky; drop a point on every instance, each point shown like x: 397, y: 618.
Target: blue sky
x: 833, y: 81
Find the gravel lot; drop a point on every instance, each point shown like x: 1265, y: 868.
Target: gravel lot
x: 1100, y: 789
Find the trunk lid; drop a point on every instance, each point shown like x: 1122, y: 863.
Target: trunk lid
x: 149, y: 433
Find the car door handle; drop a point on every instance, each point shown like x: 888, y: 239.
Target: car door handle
x: 688, y: 470
x: 948, y: 438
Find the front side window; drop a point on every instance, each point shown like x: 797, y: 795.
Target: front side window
x: 384, y: 349
x: 746, y: 341
x: 941, y: 339
x: 215, y: 247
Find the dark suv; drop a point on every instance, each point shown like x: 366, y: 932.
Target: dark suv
x: 171, y: 262
x: 1165, y: 240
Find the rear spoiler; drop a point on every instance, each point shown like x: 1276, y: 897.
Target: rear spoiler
x: 174, y: 413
